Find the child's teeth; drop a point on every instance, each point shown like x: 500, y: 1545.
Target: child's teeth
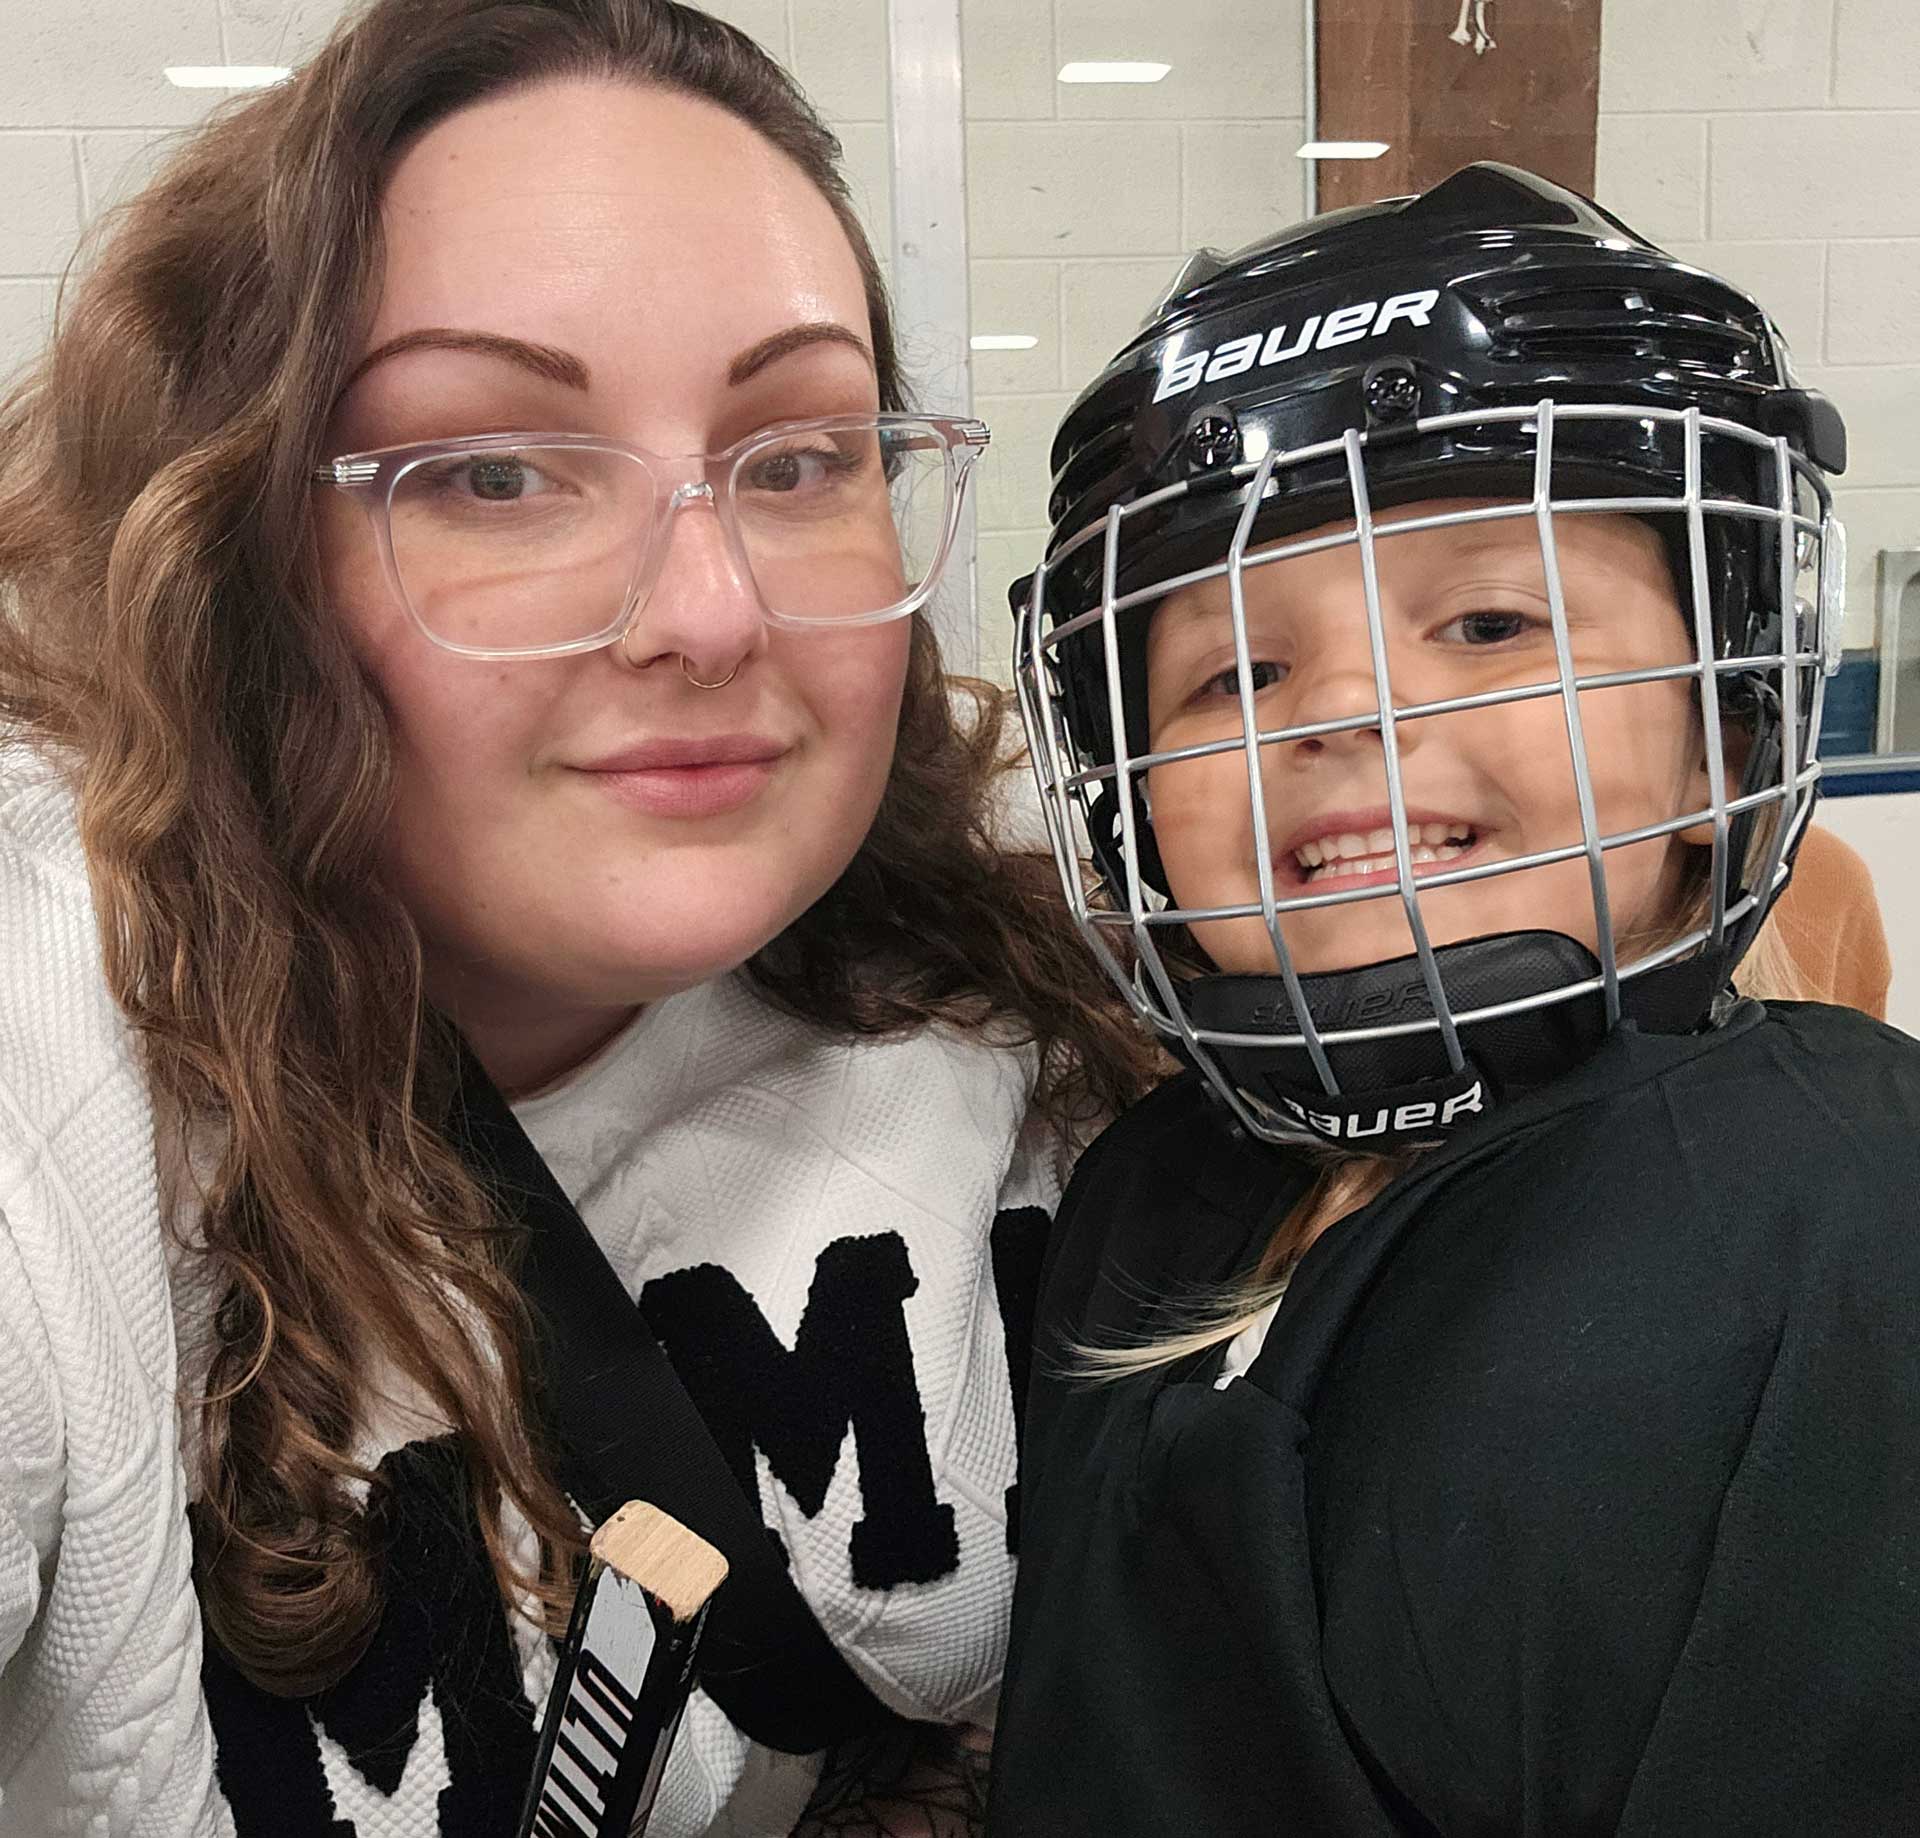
x: 1352, y: 854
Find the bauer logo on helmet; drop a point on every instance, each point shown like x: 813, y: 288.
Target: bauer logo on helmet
x: 1345, y: 325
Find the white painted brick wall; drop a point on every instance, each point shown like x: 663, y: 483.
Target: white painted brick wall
x: 1240, y: 181
x: 84, y: 63
x: 1806, y: 190
x: 1852, y: 172
x: 26, y: 317
x: 1110, y: 186
x: 1007, y: 60
x: 1883, y: 829
x: 118, y: 163
x: 40, y: 174
x: 1699, y: 55
x: 276, y: 31
x: 1017, y: 299
x: 1652, y: 171
x: 1232, y: 60
x: 86, y: 115
x: 1073, y: 188
x: 1876, y: 53
x: 840, y: 57
x: 1013, y: 489
x: 1873, y: 302
x: 1777, y: 142
x: 1101, y: 307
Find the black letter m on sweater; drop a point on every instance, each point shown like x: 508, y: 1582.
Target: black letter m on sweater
x: 851, y: 1365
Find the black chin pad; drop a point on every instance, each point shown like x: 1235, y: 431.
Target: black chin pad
x: 1400, y: 1091
x: 1518, y: 1051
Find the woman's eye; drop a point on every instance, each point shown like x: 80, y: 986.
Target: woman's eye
x: 487, y: 478
x: 792, y: 469
x: 1488, y: 628
x: 1262, y: 673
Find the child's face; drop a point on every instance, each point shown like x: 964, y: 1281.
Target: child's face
x: 1465, y: 611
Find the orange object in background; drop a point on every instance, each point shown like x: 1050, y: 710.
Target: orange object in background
x: 1829, y: 920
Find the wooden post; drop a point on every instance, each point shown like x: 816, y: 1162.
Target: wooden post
x: 1398, y: 71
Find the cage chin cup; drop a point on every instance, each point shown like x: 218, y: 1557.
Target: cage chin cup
x: 1401, y: 1090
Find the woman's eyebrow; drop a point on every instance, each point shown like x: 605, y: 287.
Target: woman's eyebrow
x: 547, y: 361
x: 795, y: 338
x: 557, y: 366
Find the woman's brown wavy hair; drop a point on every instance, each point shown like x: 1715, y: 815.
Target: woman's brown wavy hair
x: 163, y: 630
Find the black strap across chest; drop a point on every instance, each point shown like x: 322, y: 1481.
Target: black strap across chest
x: 624, y: 1428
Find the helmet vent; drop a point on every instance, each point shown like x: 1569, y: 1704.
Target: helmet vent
x: 1631, y: 322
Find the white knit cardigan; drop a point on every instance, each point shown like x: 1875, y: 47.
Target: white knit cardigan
x: 103, y: 1729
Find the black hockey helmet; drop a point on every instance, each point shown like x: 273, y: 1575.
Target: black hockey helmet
x: 1498, y: 336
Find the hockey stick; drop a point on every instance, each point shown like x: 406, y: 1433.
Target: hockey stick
x: 625, y: 1672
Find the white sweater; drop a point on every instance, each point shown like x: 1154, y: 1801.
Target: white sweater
x: 102, y: 1725
x: 728, y: 1159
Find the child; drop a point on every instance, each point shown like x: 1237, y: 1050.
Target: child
x: 1481, y: 1396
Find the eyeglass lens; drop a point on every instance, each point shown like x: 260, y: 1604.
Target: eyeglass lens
x: 544, y: 545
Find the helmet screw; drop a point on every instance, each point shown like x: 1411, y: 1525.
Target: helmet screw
x: 1213, y: 441
x: 1392, y: 393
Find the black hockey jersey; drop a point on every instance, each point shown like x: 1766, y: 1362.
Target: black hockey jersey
x: 1575, y: 1490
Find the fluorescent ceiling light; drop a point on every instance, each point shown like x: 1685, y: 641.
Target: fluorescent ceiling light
x: 1342, y: 150
x: 1003, y: 341
x: 226, y: 76
x: 1113, y: 73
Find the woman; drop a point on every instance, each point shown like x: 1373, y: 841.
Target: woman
x: 381, y: 677
x: 1480, y: 1403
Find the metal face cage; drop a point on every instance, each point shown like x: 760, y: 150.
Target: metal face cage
x: 1088, y: 780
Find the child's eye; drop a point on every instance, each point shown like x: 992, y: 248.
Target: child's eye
x: 1488, y: 628
x: 1263, y: 673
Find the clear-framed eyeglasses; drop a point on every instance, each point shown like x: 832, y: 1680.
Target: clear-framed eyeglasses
x: 541, y: 545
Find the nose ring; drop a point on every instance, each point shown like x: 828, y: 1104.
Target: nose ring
x: 686, y: 670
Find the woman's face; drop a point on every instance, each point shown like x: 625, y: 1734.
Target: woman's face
x: 1465, y: 611
x: 650, y: 246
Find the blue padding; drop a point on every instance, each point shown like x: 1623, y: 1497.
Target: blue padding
x: 1901, y: 776
x: 1853, y: 707
x: 1848, y: 731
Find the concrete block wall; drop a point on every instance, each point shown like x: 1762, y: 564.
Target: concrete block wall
x: 1083, y: 201
x: 1779, y: 145
x: 86, y: 113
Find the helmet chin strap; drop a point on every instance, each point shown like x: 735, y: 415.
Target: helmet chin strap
x: 1398, y: 1091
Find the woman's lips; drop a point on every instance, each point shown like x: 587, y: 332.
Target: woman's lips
x: 689, y: 777
x: 688, y: 791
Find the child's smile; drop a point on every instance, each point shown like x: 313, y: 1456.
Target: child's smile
x: 1355, y: 848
